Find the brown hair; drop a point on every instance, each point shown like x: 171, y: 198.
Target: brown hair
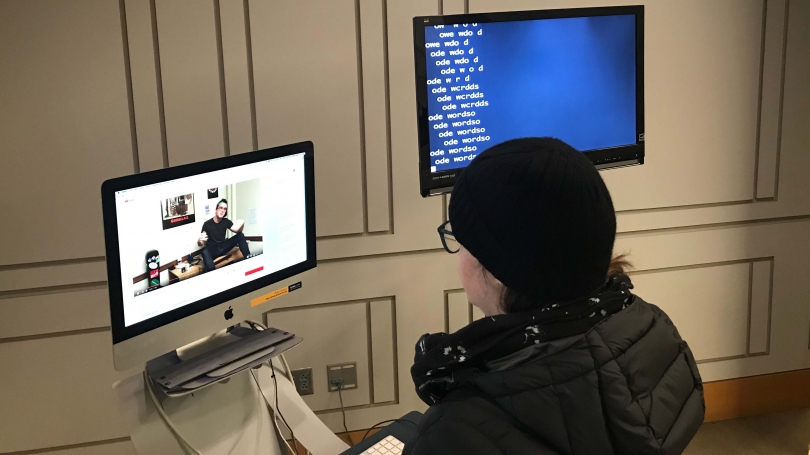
x: 515, y: 302
x: 619, y: 264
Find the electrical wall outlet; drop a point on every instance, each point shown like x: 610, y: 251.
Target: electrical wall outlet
x: 342, y: 373
x: 303, y: 381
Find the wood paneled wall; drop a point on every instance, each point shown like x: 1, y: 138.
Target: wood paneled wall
x: 716, y: 221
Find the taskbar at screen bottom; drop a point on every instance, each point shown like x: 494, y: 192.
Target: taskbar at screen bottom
x: 435, y: 182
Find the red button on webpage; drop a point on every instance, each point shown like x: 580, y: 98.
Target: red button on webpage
x: 254, y: 270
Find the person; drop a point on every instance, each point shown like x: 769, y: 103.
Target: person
x: 212, y: 236
x: 567, y: 360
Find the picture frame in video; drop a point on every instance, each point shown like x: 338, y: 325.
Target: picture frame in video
x: 177, y: 211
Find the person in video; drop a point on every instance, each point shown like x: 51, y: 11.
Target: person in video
x: 212, y: 236
x: 567, y: 360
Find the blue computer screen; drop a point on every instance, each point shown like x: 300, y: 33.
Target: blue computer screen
x: 570, y: 78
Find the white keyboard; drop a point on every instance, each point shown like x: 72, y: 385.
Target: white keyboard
x: 388, y: 446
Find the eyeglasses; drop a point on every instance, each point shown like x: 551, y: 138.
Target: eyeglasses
x: 222, y: 208
x: 449, y: 241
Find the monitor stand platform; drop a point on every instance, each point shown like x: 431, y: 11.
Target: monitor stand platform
x: 228, y: 415
x: 239, y: 348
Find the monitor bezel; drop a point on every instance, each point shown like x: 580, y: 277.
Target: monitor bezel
x: 120, y: 332
x: 434, y: 183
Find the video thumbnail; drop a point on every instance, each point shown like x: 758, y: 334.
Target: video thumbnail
x: 184, y: 246
x: 177, y: 211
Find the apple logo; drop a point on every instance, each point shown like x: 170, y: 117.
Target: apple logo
x: 228, y: 313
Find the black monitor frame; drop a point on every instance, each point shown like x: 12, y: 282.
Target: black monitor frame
x: 120, y: 332
x: 434, y: 183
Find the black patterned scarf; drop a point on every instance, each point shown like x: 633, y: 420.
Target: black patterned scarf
x: 442, y: 360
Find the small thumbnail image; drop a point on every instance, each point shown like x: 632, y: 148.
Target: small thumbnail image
x: 177, y: 211
x: 153, y: 269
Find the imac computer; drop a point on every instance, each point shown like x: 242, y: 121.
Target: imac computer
x: 184, y: 243
x: 482, y: 79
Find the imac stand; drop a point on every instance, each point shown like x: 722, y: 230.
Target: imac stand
x: 229, y: 412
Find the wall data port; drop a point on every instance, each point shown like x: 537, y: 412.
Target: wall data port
x: 342, y: 373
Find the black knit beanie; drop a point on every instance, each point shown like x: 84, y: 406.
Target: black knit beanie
x: 537, y: 215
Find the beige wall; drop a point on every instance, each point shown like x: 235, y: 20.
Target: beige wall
x: 717, y: 221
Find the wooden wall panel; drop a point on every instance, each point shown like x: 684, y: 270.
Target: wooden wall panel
x: 453, y: 6
x: 372, y: 24
x: 64, y: 110
x: 351, y: 331
x: 236, y: 73
x: 339, y: 333
x: 123, y: 447
x: 723, y: 310
x: 718, y: 294
x: 696, y: 64
x: 457, y: 310
x: 761, y: 299
x: 147, y: 93
x: 189, y: 67
x: 413, y: 216
x: 382, y: 320
x: 793, y: 160
x: 476, y: 313
x: 61, y: 391
x: 770, y: 117
x: 49, y: 274
x: 709, y: 251
x: 44, y: 311
x: 306, y: 81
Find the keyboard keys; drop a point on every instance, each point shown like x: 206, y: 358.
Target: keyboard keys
x: 388, y: 446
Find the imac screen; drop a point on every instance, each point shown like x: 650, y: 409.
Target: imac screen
x: 187, y: 239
